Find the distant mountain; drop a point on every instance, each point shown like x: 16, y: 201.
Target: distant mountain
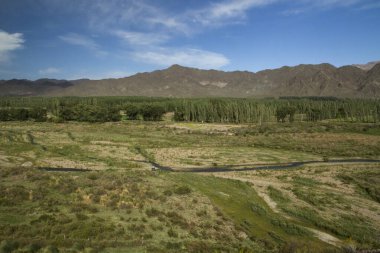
x: 41, y: 87
x: 367, y: 66
x: 371, y: 82
x: 178, y: 81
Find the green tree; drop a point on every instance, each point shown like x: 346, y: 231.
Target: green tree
x: 152, y: 112
x: 132, y: 111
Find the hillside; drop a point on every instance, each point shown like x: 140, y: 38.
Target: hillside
x: 367, y: 66
x: 178, y: 81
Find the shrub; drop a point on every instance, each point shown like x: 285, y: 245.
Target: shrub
x: 182, y: 190
x: 152, y: 112
x: 33, y: 248
x: 179, y: 116
x: 283, y: 112
x: 132, y: 112
x: 177, y: 219
x: 168, y: 193
x: 314, y: 114
x: 173, y: 245
x: 89, y: 113
x: 50, y: 249
x: 8, y: 246
x: 172, y: 233
x: 153, y: 212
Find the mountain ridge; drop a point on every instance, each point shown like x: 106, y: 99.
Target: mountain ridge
x: 178, y: 81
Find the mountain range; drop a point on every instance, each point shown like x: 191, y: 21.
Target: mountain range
x: 353, y: 81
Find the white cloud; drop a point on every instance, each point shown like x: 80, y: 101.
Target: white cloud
x: 101, y: 75
x: 83, y: 41
x: 8, y: 43
x: 138, y: 38
x: 227, y: 11
x: 370, y: 6
x: 119, y: 14
x: 49, y: 71
x: 79, y: 40
x: 187, y: 57
x: 328, y: 3
x: 301, y: 6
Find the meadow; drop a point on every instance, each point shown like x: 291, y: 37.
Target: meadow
x: 69, y: 186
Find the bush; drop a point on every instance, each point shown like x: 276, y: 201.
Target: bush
x: 8, y: 246
x: 168, y: 193
x: 152, y: 212
x: 132, y: 112
x: 314, y: 114
x: 23, y: 114
x: 283, y: 112
x: 152, y: 112
x: 179, y: 116
x: 89, y: 113
x: 182, y: 190
x: 33, y: 248
x: 50, y: 249
x: 172, y: 233
x: 38, y: 114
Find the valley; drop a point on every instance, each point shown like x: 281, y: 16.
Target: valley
x: 322, y: 207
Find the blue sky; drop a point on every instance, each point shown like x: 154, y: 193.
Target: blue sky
x: 72, y: 39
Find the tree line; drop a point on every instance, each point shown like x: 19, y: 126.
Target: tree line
x: 23, y: 114
x: 213, y: 110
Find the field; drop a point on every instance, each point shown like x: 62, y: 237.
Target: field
x: 90, y: 187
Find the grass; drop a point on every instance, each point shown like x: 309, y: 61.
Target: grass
x: 277, y: 195
x: 249, y: 211
x: 106, y: 210
x: 340, y: 200
x: 123, y: 206
x: 367, y: 183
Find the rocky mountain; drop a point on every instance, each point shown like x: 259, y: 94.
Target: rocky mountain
x: 367, y: 66
x: 178, y: 81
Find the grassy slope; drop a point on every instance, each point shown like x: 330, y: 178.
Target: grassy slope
x: 110, y: 210
x: 113, y: 147
x: 239, y: 201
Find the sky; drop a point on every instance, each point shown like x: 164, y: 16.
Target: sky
x: 96, y: 39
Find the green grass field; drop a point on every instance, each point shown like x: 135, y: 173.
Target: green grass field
x: 123, y: 206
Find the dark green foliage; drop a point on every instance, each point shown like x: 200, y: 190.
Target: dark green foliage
x: 283, y: 112
x: 153, y: 212
x: 23, y: 114
x: 20, y: 114
x: 132, y: 111
x: 38, y: 114
x: 8, y: 246
x: 341, y: 113
x: 182, y: 190
x: 33, y: 248
x: 89, y: 113
x: 152, y: 112
x: 231, y: 110
x: 179, y: 116
x: 172, y: 233
x: 314, y: 114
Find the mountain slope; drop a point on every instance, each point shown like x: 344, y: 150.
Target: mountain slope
x: 367, y: 66
x: 178, y: 81
x: 370, y: 84
x: 17, y: 87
